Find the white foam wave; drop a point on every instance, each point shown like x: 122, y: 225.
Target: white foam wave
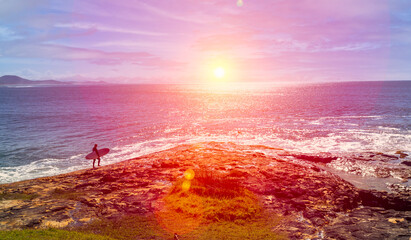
x: 348, y: 141
x: 51, y: 167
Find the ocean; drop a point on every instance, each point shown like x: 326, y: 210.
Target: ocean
x: 46, y: 131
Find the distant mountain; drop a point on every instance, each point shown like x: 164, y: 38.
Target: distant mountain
x: 12, y: 80
x: 16, y: 80
x: 90, y: 83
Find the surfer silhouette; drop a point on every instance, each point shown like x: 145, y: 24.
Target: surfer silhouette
x: 98, y: 155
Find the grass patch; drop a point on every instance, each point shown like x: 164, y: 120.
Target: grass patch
x: 143, y: 227
x: 214, y: 198
x: 59, y: 193
x: 127, y: 227
x: 216, y: 206
x: 258, y: 230
x: 18, y: 196
x: 209, y: 184
x: 49, y: 234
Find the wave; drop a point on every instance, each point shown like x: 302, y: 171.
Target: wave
x: 350, y: 141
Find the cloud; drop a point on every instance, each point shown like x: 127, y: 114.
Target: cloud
x: 8, y: 35
x: 165, y: 38
x: 100, y: 27
x: 48, y: 51
x: 187, y: 16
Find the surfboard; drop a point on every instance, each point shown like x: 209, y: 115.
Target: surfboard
x: 101, y: 152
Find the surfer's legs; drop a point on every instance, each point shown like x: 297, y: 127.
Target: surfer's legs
x: 94, y: 160
x: 99, y: 161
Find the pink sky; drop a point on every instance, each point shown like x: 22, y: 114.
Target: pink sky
x: 160, y: 41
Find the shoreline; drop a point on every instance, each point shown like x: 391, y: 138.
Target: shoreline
x: 313, y: 201
x: 389, y: 177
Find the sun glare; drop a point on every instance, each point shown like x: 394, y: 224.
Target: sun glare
x: 219, y: 72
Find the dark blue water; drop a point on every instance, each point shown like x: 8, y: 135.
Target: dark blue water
x: 48, y: 130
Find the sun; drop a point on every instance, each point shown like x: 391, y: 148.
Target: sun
x: 219, y: 72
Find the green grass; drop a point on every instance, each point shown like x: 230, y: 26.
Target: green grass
x: 258, y: 230
x: 127, y: 227
x: 214, y: 198
x: 49, y: 234
x: 209, y: 184
x: 216, y: 206
x: 18, y: 196
x: 143, y: 227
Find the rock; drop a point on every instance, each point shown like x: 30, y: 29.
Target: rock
x: 106, y: 190
x: 385, y: 200
x: 258, y: 154
x: 87, y: 219
x: 317, y: 204
x: 83, y: 185
x: 169, y: 164
x: 33, y: 223
x: 407, y: 163
x: 57, y: 208
x: 88, y: 201
x: 387, y: 155
x: 108, y: 178
x: 395, y: 220
x: 298, y: 204
x: 56, y: 224
x: 317, y: 158
x: 237, y: 173
x: 367, y: 223
x: 317, y: 169
x: 402, y: 154
x: 383, y: 172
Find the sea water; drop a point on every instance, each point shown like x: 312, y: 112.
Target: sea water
x: 48, y: 130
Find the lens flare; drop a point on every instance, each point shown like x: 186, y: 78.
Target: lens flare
x: 186, y: 185
x: 173, y: 220
x: 189, y: 174
x: 240, y: 3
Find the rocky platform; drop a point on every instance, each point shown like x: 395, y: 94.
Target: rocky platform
x: 313, y: 203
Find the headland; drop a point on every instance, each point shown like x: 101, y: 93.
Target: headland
x: 305, y: 200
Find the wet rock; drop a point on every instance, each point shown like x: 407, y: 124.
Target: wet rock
x: 383, y: 172
x: 367, y: 223
x: 398, y: 188
x: 317, y: 158
x: 385, y: 200
x: 371, y: 157
x: 387, y: 156
x: 406, y: 163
